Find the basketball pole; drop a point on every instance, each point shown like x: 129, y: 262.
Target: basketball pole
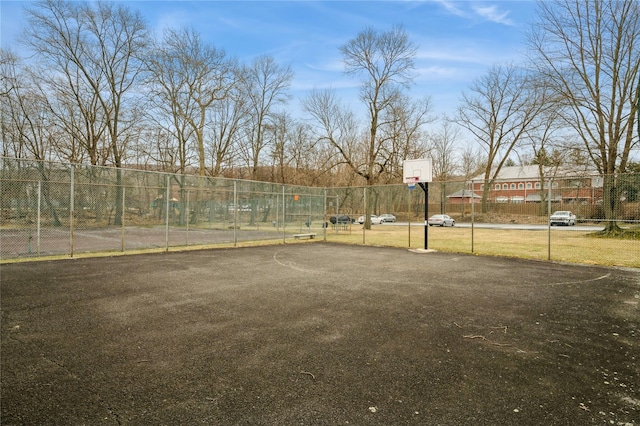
x: 420, y: 171
x: 425, y: 188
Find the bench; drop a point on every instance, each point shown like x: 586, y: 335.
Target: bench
x: 311, y: 236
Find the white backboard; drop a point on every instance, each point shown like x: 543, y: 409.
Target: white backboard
x: 421, y: 169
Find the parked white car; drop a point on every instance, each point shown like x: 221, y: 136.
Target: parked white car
x: 375, y: 220
x: 562, y: 217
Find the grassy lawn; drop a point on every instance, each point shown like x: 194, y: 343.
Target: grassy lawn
x: 566, y: 246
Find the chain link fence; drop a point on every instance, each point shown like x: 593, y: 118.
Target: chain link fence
x: 506, y: 217
x: 52, y: 209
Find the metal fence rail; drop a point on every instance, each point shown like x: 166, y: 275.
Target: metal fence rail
x: 62, y: 209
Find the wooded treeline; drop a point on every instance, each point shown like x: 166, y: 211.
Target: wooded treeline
x: 93, y: 86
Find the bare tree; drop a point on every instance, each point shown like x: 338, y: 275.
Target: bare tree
x: 26, y: 122
x: 293, y: 153
x: 334, y: 127
x: 402, y: 136
x: 188, y: 77
x: 305, y: 157
x: 8, y: 62
x: 265, y: 86
x: 547, y: 154
x: 276, y: 133
x: 171, y: 77
x: 227, y: 119
x: 100, y: 44
x: 25, y: 117
x: 78, y: 114
x: 590, y: 51
x: 498, y: 110
x: 11, y: 87
x: 472, y: 161
x: 385, y: 62
x: 442, y: 150
x: 442, y: 153
x: 70, y: 126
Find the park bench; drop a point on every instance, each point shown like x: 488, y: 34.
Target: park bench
x: 310, y: 236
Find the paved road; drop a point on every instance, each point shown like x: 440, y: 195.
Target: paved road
x: 530, y: 227
x: 519, y: 226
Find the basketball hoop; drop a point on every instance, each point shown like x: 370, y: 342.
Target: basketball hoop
x: 411, y: 181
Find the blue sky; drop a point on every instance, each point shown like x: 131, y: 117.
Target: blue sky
x: 457, y: 40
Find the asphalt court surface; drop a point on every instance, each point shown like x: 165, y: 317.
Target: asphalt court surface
x: 318, y: 334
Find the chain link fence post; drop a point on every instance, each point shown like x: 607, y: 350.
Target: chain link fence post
x: 71, y: 207
x: 549, y: 184
x: 167, y: 200
x: 124, y: 196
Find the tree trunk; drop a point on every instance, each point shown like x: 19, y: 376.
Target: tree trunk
x: 611, y: 205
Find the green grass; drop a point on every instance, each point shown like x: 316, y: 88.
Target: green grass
x: 566, y: 246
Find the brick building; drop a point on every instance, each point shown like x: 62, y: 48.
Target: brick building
x: 522, y: 184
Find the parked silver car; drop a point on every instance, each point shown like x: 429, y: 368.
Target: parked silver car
x: 387, y: 217
x: 441, y: 220
x: 562, y: 217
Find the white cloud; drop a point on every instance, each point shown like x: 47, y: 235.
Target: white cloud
x: 492, y: 14
x: 489, y: 13
x: 451, y: 7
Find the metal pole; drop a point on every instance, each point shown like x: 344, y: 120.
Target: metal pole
x: 366, y: 219
x: 324, y: 215
x: 473, y: 210
x: 188, y: 215
x: 284, y: 211
x: 71, y: 209
x: 123, y: 216
x: 548, y: 221
x: 425, y: 188
x: 38, y: 218
x: 337, y: 210
x: 235, y: 212
x: 426, y: 215
x: 310, y: 212
x: 166, y: 220
x: 277, y: 224
x: 638, y: 106
x: 410, y: 212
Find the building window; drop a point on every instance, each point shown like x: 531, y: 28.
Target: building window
x: 537, y: 185
x: 497, y: 186
x: 513, y: 186
x: 521, y: 185
x: 505, y: 186
x: 529, y: 186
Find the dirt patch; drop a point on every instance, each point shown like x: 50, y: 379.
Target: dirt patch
x: 319, y: 334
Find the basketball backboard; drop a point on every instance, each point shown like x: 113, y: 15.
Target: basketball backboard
x: 419, y: 170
